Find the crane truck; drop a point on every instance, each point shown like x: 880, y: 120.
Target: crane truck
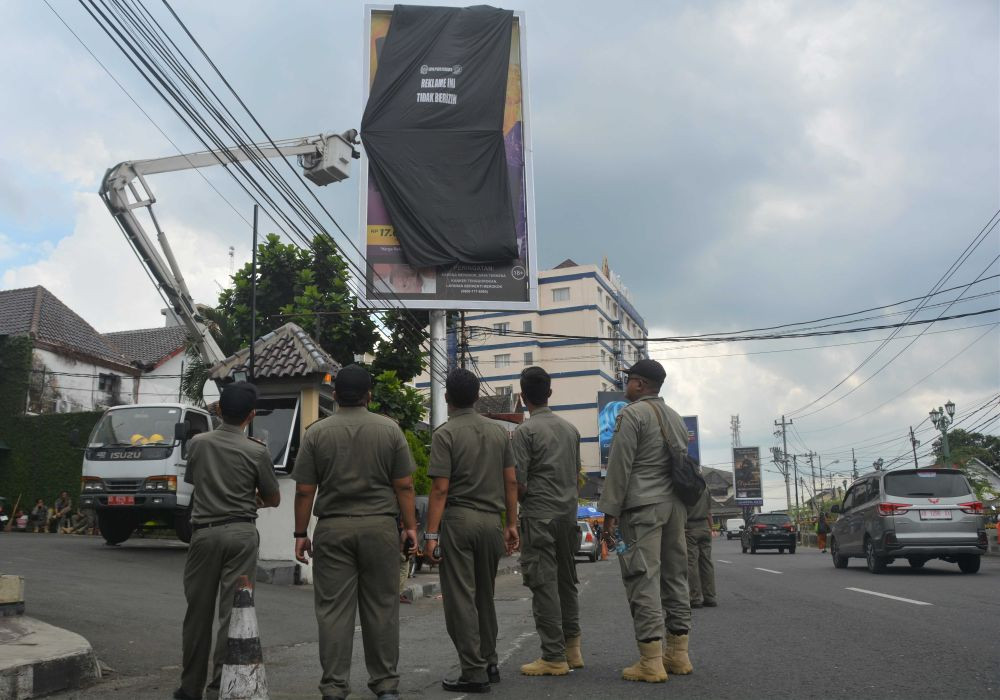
x: 135, y: 458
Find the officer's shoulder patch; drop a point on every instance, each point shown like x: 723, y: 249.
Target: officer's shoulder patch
x: 618, y: 421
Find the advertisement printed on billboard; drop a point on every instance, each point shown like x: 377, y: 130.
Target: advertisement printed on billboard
x: 609, y: 405
x: 694, y: 445
x: 390, y: 280
x: 747, y: 484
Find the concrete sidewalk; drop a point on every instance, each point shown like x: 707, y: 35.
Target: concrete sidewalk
x: 37, y: 659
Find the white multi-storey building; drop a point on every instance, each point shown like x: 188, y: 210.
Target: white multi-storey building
x: 585, y: 333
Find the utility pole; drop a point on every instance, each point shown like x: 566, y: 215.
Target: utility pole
x: 463, y: 342
x: 854, y: 460
x: 784, y: 451
x: 812, y: 471
x: 734, y: 428
x: 795, y: 466
x: 914, y: 442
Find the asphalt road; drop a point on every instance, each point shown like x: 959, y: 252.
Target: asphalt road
x: 788, y: 626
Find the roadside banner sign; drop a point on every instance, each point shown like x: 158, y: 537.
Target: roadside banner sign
x: 747, y: 482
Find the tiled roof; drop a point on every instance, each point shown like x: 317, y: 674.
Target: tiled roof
x: 283, y: 353
x: 37, y: 313
x: 500, y: 403
x: 147, y: 346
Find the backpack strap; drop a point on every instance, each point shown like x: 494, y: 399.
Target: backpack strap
x: 663, y: 432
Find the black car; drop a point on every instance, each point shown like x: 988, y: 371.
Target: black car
x: 769, y: 531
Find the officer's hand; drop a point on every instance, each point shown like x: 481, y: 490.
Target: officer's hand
x: 303, y: 549
x: 511, y: 539
x: 408, y: 536
x: 429, y: 547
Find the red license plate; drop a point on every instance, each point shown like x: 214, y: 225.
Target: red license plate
x: 121, y: 500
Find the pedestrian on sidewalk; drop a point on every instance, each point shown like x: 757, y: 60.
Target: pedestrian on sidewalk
x: 233, y: 476
x: 639, y: 496
x: 39, y: 517
x: 474, y: 482
x: 357, y: 468
x: 822, y: 529
x: 547, y: 454
x: 701, y: 570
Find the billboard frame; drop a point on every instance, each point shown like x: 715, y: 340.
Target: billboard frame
x: 394, y: 302
x: 748, y: 500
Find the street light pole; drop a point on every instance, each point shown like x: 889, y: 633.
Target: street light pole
x: 942, y: 419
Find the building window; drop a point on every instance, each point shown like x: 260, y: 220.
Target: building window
x: 501, y: 360
x: 501, y: 328
x: 600, y: 322
x: 529, y: 359
x: 526, y: 326
x: 505, y: 390
x: 560, y: 294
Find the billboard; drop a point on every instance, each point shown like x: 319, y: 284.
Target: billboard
x: 694, y: 445
x: 747, y: 484
x: 390, y: 281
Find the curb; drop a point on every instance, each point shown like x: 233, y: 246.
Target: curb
x: 38, y: 659
x: 428, y: 590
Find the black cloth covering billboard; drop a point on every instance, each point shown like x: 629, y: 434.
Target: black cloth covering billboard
x: 433, y: 131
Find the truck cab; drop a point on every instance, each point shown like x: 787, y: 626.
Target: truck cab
x: 134, y: 464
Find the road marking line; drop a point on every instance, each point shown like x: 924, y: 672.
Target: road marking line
x: 770, y: 571
x: 890, y: 597
x: 723, y: 561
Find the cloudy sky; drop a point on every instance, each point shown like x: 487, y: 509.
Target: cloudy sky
x: 741, y: 164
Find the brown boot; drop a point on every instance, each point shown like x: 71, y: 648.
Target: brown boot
x: 649, y: 668
x: 541, y: 667
x: 675, y: 655
x: 574, y: 657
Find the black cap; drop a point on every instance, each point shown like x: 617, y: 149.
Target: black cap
x: 352, y: 380
x: 238, y: 399
x: 649, y: 369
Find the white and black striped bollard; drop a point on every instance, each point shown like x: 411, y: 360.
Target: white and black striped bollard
x: 243, y: 675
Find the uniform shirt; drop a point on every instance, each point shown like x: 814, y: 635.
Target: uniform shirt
x: 472, y: 453
x: 227, y: 469
x: 699, y: 513
x: 547, y: 454
x: 638, y: 465
x: 353, y: 457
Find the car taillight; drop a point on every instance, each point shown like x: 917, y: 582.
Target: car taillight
x: 788, y: 527
x: 760, y: 527
x: 893, y: 508
x: 972, y: 507
x: 588, y: 538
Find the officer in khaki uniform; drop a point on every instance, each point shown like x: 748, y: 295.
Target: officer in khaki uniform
x: 232, y: 475
x: 701, y: 570
x: 357, y: 468
x: 547, y: 454
x: 638, y: 495
x: 474, y: 480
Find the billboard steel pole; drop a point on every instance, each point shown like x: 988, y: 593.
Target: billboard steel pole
x: 439, y: 368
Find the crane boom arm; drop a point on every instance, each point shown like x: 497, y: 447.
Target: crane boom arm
x: 324, y: 158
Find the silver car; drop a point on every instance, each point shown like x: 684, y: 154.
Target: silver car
x: 589, y: 546
x: 912, y: 514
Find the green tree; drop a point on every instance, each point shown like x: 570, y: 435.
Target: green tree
x: 964, y: 446
x: 304, y: 286
x: 392, y: 398
x: 196, y: 370
x: 403, y: 351
x: 418, y: 440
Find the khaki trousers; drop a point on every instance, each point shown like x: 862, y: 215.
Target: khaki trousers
x: 217, y: 557
x: 471, y: 547
x: 356, y: 572
x: 701, y: 570
x: 548, y: 548
x: 654, y: 569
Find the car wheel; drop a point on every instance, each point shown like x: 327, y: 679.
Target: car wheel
x: 592, y: 556
x: 781, y: 550
x: 917, y: 563
x: 839, y: 562
x: 876, y: 564
x: 969, y: 563
x: 791, y: 550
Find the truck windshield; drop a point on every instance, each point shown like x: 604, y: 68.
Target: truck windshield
x: 142, y: 425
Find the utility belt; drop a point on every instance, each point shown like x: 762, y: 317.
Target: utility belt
x: 217, y: 523
x: 366, y: 515
x: 478, y: 510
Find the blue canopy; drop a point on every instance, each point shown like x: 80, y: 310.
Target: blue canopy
x: 588, y: 512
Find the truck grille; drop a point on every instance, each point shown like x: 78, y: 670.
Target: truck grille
x: 122, y: 485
